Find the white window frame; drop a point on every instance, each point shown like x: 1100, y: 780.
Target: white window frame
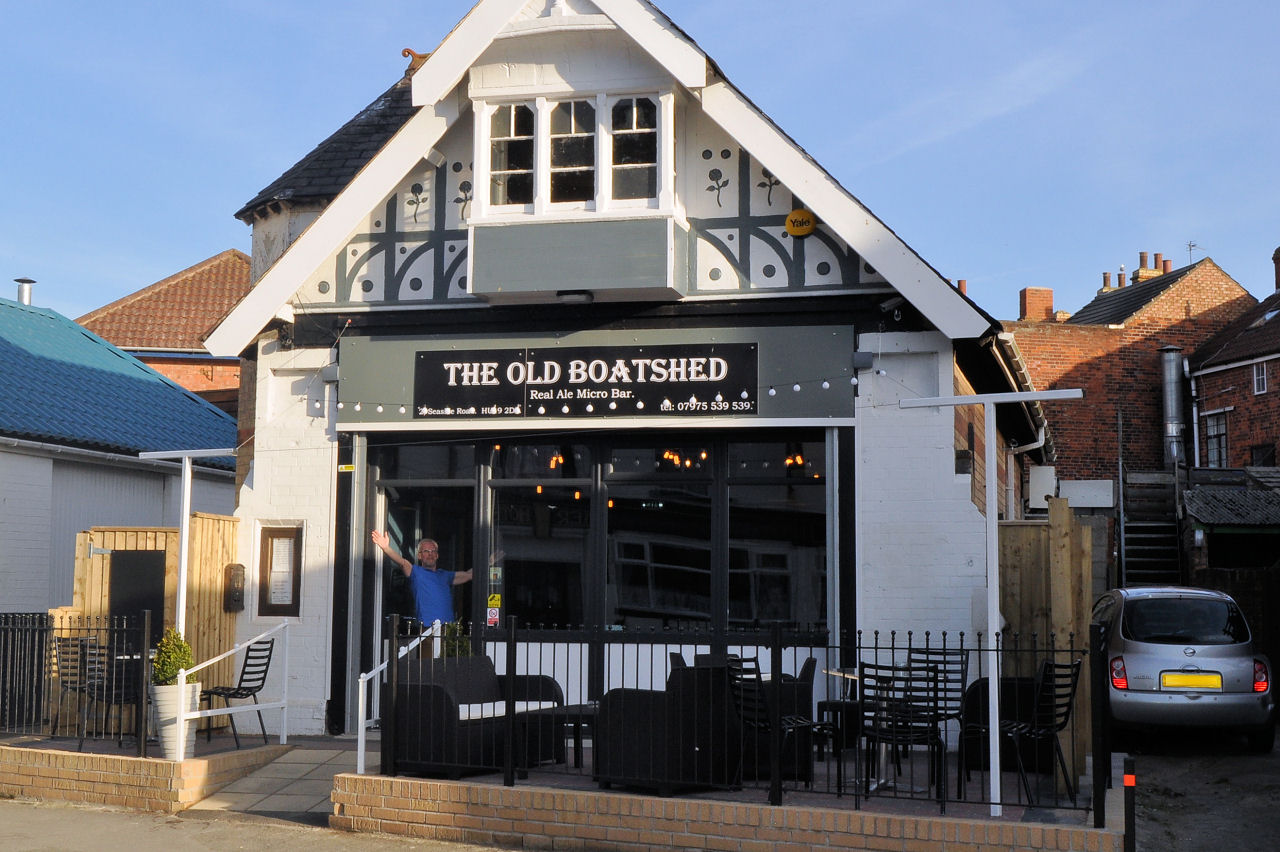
x: 1215, y: 441
x: 483, y: 210
x: 1260, y: 378
x: 488, y: 162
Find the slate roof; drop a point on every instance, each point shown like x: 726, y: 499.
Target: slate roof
x: 1115, y: 307
x: 1237, y: 507
x: 1255, y: 334
x: 322, y: 174
x: 61, y: 384
x: 175, y: 314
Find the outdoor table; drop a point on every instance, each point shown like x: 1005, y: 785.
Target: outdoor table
x: 576, y: 715
x: 841, y: 710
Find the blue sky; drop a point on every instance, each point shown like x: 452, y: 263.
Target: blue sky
x: 1012, y: 144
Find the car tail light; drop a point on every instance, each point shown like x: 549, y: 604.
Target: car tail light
x: 1120, y: 678
x: 1261, y: 679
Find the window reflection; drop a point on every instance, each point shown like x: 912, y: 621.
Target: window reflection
x: 540, y: 546
x: 659, y: 556
x: 777, y: 555
x: 539, y: 461
x: 776, y: 460
x: 657, y: 461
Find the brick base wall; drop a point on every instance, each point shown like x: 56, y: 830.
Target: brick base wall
x: 615, y: 822
x: 144, y: 784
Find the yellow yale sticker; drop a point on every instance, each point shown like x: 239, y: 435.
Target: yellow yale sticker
x: 801, y: 222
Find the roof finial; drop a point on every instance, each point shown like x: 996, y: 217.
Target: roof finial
x: 415, y: 59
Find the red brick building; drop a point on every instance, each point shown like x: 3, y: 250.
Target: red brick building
x: 1111, y: 349
x: 163, y: 325
x: 1235, y: 382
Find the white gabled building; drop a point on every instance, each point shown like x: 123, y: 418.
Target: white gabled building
x: 564, y: 300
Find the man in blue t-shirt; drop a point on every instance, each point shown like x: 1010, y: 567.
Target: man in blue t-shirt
x: 432, y: 587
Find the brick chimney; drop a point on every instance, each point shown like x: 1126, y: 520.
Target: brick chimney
x: 1036, y: 304
x: 963, y: 285
x: 1144, y: 272
x: 1106, y: 284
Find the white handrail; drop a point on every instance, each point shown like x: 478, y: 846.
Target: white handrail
x: 362, y: 701
x: 282, y: 705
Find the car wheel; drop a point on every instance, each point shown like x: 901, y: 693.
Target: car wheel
x: 1261, y: 740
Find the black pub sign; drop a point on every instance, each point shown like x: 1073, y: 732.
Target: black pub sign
x: 689, y: 380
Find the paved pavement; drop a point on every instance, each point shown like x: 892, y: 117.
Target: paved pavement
x: 283, y: 805
x: 294, y: 787
x: 36, y: 827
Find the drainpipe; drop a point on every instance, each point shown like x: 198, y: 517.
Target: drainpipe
x: 1171, y: 360
x: 1195, y: 420
x: 1009, y: 506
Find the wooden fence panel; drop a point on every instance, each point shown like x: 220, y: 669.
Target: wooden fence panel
x: 211, y: 547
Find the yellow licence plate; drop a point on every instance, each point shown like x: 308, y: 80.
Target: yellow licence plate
x: 1182, y: 680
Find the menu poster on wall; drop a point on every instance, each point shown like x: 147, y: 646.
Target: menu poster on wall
x: 682, y: 380
x: 282, y: 559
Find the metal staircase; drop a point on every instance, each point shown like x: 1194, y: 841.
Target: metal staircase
x: 1150, y: 552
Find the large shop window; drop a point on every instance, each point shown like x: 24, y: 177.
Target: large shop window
x: 677, y: 530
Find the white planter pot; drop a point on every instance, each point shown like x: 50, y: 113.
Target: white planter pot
x: 165, y: 701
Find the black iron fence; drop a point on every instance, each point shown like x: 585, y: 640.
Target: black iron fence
x: 905, y: 715
x: 81, y: 678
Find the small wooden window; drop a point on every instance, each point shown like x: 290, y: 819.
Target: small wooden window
x: 280, y: 572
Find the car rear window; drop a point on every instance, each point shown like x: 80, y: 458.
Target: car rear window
x: 1184, y: 621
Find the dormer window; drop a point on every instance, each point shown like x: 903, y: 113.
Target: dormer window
x: 635, y: 148
x: 511, y: 154
x: 573, y: 152
x: 570, y: 157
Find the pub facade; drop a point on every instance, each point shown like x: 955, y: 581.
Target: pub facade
x: 565, y: 301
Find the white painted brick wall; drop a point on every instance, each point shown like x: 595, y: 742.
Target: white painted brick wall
x: 292, y: 483
x: 922, y: 542
x: 26, y: 488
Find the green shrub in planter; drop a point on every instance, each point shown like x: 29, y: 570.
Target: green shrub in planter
x: 172, y: 653
x: 456, y: 641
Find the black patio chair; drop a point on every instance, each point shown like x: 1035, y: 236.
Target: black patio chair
x: 1055, y: 696
x: 253, y: 676
x: 952, y: 665
x: 113, y: 679
x: 953, y: 675
x: 901, y: 706
x: 76, y: 660
x: 795, y: 695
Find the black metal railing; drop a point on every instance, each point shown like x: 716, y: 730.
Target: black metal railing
x: 770, y: 712
x: 77, y: 677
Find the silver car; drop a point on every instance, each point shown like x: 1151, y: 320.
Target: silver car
x: 1181, y: 656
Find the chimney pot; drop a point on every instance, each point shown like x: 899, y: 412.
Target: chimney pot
x: 1275, y: 259
x: 1167, y: 266
x: 1142, y: 260
x: 1159, y: 264
x: 963, y: 286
